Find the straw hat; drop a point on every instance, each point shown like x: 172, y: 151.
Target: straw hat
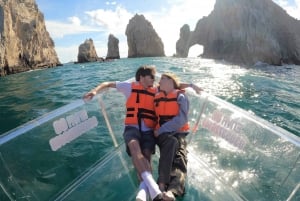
x: 174, y: 78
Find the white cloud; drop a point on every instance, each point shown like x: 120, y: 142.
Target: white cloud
x: 292, y: 10
x: 61, y: 29
x: 110, y: 3
x: 75, y: 20
x: 67, y: 54
x: 113, y: 22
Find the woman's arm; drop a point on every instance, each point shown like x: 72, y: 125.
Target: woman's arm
x: 193, y: 86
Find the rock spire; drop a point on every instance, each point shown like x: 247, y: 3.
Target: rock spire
x: 87, y: 52
x: 112, y: 48
x: 142, y: 39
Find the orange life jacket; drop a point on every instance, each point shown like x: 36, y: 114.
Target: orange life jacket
x: 166, y: 107
x: 140, y: 106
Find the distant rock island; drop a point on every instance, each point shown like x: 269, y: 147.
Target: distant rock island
x: 142, y: 39
x: 87, y: 52
x: 25, y: 43
x: 245, y: 32
x: 112, y: 48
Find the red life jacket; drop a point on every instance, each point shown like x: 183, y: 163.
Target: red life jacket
x: 166, y: 107
x: 140, y: 106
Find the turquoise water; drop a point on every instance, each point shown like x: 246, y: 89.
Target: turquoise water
x: 271, y: 92
x: 265, y: 168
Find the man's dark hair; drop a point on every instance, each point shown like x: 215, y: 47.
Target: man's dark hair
x: 144, y: 71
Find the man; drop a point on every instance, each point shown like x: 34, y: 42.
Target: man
x: 139, y: 124
x: 171, y: 108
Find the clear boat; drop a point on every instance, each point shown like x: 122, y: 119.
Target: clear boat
x: 76, y: 152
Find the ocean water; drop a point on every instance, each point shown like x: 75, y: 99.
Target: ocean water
x: 270, y: 92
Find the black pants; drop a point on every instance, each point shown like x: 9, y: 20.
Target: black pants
x: 172, y: 166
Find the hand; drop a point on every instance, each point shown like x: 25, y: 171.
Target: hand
x: 88, y: 96
x: 155, y: 133
x: 196, y: 88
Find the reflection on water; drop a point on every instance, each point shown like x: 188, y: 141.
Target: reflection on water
x: 231, y: 155
x: 269, y: 92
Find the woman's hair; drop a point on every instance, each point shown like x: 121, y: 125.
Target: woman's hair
x: 172, y: 76
x: 144, y: 71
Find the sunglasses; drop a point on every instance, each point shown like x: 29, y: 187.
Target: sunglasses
x: 152, y: 76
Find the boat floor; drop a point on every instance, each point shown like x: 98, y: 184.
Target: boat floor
x: 114, y: 179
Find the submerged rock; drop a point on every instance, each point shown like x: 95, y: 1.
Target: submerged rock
x: 244, y: 32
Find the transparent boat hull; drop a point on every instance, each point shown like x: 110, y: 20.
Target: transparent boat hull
x: 77, y: 153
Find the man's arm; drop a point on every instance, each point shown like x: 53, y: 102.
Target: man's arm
x: 104, y: 85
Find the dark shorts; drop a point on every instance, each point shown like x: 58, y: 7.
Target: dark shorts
x: 146, y: 139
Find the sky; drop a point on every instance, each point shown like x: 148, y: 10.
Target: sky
x: 71, y: 22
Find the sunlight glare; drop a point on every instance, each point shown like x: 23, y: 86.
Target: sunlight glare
x: 195, y: 51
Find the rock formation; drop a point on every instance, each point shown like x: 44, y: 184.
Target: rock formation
x: 112, y: 48
x: 142, y: 39
x: 245, y: 32
x: 87, y: 52
x: 183, y: 44
x: 25, y: 43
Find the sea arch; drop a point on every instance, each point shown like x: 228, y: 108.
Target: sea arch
x: 195, y: 50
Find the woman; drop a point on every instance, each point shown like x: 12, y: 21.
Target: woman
x: 171, y: 108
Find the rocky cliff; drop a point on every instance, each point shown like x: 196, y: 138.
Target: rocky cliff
x: 25, y: 43
x: 87, y: 52
x: 112, y: 48
x: 142, y: 39
x: 244, y: 32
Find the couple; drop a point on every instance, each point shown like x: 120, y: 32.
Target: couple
x: 168, y: 106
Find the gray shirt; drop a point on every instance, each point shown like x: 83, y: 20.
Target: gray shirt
x: 179, y: 120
